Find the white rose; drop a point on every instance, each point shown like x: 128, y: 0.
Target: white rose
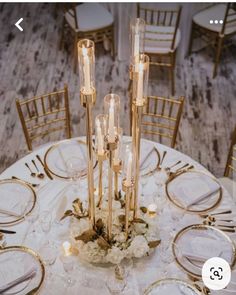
x: 120, y: 238
x: 115, y: 255
x: 139, y: 246
x: 140, y: 228
x: 92, y: 252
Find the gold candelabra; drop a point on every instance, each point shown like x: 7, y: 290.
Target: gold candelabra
x: 88, y: 99
x: 108, y: 133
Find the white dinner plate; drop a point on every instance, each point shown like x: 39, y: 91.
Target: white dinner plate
x: 59, y: 155
x: 15, y: 262
x: 17, y: 199
x: 194, y: 191
x: 171, y: 286
x: 197, y: 243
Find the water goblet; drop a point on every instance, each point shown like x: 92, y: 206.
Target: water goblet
x: 117, y: 282
x: 75, y: 170
x: 68, y: 265
x: 143, y: 181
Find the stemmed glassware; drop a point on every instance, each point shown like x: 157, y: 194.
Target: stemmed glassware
x: 76, y: 167
x: 117, y: 282
x: 47, y: 250
x: 68, y: 265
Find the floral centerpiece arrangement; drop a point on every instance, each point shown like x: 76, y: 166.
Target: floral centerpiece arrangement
x: 93, y: 245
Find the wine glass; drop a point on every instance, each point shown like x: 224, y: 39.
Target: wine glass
x: 32, y: 216
x: 118, y: 279
x: 48, y: 249
x: 68, y: 265
x: 143, y: 181
x: 46, y: 221
x: 75, y: 170
x: 160, y: 180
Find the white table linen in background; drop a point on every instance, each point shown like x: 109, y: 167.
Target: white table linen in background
x: 91, y: 279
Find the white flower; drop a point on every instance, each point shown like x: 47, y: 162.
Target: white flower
x: 140, y: 228
x: 139, y: 247
x: 120, y: 238
x: 78, y: 226
x: 92, y: 252
x: 115, y: 255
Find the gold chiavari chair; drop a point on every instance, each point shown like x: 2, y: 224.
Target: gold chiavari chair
x: 89, y: 21
x: 162, y: 37
x: 42, y: 115
x: 229, y: 179
x: 214, y: 34
x: 161, y: 118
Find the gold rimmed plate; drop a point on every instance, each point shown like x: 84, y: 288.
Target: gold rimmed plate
x: 195, y: 244
x: 60, y: 157
x: 149, y: 157
x: 171, y: 286
x: 17, y: 200
x: 17, y: 262
x: 194, y: 191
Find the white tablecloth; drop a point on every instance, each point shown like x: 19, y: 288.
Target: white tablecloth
x: 91, y: 279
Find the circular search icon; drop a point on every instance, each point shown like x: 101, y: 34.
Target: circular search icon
x: 216, y: 273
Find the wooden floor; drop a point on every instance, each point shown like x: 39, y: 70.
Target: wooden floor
x: 31, y: 64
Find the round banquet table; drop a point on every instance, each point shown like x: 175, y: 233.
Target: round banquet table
x: 91, y: 279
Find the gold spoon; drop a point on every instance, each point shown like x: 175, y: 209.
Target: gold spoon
x: 33, y: 174
x: 39, y: 175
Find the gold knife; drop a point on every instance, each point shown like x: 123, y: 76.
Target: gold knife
x: 44, y: 167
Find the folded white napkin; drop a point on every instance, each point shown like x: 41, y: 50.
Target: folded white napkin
x: 202, y: 248
x: 28, y: 275
x: 9, y: 212
x: 194, y: 190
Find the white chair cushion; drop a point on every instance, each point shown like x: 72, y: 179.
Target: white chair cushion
x: 157, y: 33
x: 229, y: 185
x: 90, y: 17
x: 216, y: 12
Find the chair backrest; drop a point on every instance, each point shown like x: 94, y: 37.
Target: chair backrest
x: 161, y: 118
x: 43, y: 115
x: 230, y: 169
x: 229, y: 23
x: 162, y: 18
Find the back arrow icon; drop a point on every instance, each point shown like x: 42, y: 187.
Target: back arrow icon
x: 17, y: 24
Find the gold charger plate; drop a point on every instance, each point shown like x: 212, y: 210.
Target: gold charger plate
x: 20, y: 189
x: 155, y: 288
x: 205, y: 205
x: 56, y: 157
x: 40, y: 266
x: 192, y: 265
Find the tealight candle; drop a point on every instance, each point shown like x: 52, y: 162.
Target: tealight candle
x: 140, y: 85
x: 111, y: 127
x: 86, y: 70
x: 152, y: 210
x: 67, y: 248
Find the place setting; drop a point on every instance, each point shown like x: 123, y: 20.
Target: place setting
x: 22, y: 271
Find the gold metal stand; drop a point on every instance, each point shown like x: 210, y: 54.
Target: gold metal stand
x: 116, y: 169
x: 110, y: 147
x: 101, y: 159
x: 128, y: 193
x: 87, y: 101
x: 136, y: 135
